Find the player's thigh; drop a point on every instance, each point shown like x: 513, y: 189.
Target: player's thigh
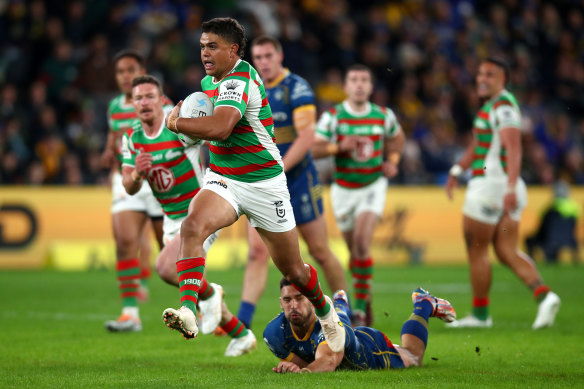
x: 506, y: 239
x: 477, y: 235
x: 372, y: 198
x: 208, y: 213
x: 285, y: 252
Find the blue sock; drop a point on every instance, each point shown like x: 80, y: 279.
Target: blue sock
x: 424, y: 309
x: 341, y: 305
x: 245, y: 314
x: 415, y: 326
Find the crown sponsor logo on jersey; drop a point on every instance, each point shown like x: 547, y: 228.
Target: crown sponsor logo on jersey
x: 231, y: 90
x: 280, y: 211
x: 161, y: 179
x: 364, y: 150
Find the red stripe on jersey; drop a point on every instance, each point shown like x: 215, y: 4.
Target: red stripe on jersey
x: 483, y: 115
x: 158, y: 146
x: 177, y: 212
x: 481, y: 131
x: 348, y: 184
x: 211, y: 93
x: 187, y: 176
x: 240, y: 74
x: 478, y: 172
x: 241, y: 129
x: 483, y: 144
x: 236, y: 149
x: 333, y: 111
x: 124, y: 115
x: 362, y: 122
x: 265, y: 102
x: 178, y: 199
x: 373, y: 138
x: 267, y: 122
x: 241, y: 170
x: 245, y: 97
x: 362, y: 170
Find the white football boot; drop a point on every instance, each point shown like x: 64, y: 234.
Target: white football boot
x: 183, y: 320
x: 547, y: 311
x: 124, y: 323
x: 210, y: 310
x: 333, y: 329
x: 471, y: 321
x: 240, y: 346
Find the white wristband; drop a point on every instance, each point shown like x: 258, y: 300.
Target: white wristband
x: 455, y: 171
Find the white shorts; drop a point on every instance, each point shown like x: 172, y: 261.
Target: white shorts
x: 484, y: 199
x: 265, y: 203
x: 349, y: 203
x: 171, y: 229
x: 143, y: 201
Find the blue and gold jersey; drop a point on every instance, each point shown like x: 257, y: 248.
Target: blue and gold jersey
x: 365, y: 347
x: 285, y: 94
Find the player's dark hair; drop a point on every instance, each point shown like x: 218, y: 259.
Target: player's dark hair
x: 228, y: 29
x: 266, y: 39
x: 284, y: 282
x: 502, y: 64
x: 147, y: 79
x: 129, y: 53
x: 359, y: 67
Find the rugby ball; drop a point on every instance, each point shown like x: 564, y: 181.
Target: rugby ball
x: 195, y: 105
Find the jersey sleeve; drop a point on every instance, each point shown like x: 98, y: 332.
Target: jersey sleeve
x: 301, y: 94
x: 392, y: 126
x: 325, y: 127
x: 274, y: 338
x: 110, y: 121
x: 233, y: 92
x: 506, y: 115
x: 128, y: 151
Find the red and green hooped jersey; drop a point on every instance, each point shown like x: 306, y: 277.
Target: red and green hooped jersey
x: 249, y: 154
x: 121, y: 117
x: 362, y: 166
x: 176, y: 171
x: 490, y: 157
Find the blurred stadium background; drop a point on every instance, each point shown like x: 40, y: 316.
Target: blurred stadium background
x: 56, y: 78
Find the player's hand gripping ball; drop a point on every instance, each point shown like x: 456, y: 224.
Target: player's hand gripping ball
x: 196, y: 105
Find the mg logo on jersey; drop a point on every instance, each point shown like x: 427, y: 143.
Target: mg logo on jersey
x: 364, y: 150
x: 280, y: 211
x: 161, y: 179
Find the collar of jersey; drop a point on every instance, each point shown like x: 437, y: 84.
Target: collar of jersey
x: 279, y: 79
x: 308, y: 333
x: 157, y: 132
x: 358, y: 114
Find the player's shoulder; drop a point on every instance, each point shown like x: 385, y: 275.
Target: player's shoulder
x: 505, y: 98
x: 276, y: 327
x: 135, y: 130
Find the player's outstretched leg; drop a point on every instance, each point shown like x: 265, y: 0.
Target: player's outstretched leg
x: 128, y: 280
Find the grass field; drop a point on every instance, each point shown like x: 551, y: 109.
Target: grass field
x: 52, y: 335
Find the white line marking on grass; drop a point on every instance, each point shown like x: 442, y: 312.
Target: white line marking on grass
x: 57, y: 316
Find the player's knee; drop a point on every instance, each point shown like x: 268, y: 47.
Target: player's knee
x: 321, y: 253
x: 126, y: 246
x: 258, y: 253
x: 164, y: 268
x: 361, y: 247
x: 195, y: 230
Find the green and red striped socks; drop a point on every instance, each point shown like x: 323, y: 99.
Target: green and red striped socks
x: 362, y: 271
x: 313, y: 292
x: 480, y: 307
x: 234, y: 328
x: 540, y: 292
x: 145, y: 274
x: 190, y: 275
x: 128, y: 280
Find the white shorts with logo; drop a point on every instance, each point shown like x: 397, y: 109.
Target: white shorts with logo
x: 143, y: 201
x: 484, y: 199
x: 171, y: 229
x: 265, y: 203
x: 349, y: 203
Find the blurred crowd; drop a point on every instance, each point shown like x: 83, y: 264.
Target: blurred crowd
x: 57, y: 76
